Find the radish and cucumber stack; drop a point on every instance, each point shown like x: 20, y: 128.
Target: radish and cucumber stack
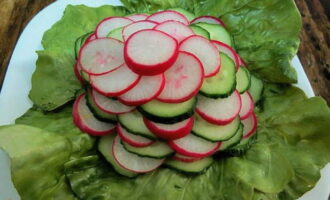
x: 164, y: 89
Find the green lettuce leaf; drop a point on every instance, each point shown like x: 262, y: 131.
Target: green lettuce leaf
x: 54, y: 83
x: 266, y: 33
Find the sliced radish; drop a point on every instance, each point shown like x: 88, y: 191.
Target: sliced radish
x: 90, y: 38
x: 101, y: 56
x: 219, y: 111
x: 110, y: 105
x: 77, y: 69
x: 133, y: 162
x: 250, y: 125
x: 247, y: 105
x: 230, y: 52
x: 205, y: 51
x: 208, y: 19
x: 183, y: 158
x: 183, y: 79
x: 194, y: 146
x: 109, y: 24
x: 170, y: 131
x: 132, y: 139
x: 144, y: 91
x: 137, y: 26
x: 167, y: 15
x: 137, y: 17
x: 175, y: 29
x: 150, y: 52
x: 85, y: 120
x: 116, y: 82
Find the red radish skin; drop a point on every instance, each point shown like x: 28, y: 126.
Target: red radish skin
x: 205, y: 51
x: 183, y: 79
x: 250, y: 125
x: 101, y: 56
x: 116, y: 82
x: 208, y: 19
x: 76, y: 69
x: 247, y: 105
x: 183, y: 158
x: 137, y: 17
x: 150, y: 52
x: 225, y: 106
x: 109, y: 24
x: 170, y: 134
x: 176, y: 29
x: 147, y: 89
x: 137, y: 26
x: 230, y: 52
x: 91, y: 37
x: 242, y: 62
x: 167, y: 15
x: 129, y: 140
x: 80, y: 103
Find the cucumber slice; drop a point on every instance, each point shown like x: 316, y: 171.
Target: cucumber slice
x: 155, y: 150
x: 190, y: 167
x: 105, y: 147
x: 215, y: 133
x: 200, y: 31
x: 243, y: 80
x: 168, y: 113
x: 256, y: 88
x: 117, y: 34
x: 223, y: 83
x: 80, y: 41
x: 98, y: 113
x: 234, y: 140
x: 133, y: 122
x: 244, y: 145
x: 217, y: 32
x: 190, y: 16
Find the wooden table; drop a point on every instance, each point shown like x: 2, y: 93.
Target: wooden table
x: 314, y: 51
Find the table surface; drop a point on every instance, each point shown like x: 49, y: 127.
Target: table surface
x: 314, y: 51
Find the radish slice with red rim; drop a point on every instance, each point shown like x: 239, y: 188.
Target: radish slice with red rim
x: 133, y: 162
x: 250, y: 125
x: 150, y: 52
x: 194, y: 146
x: 183, y: 79
x: 101, y: 56
x: 85, y: 120
x: 137, y: 26
x: 109, y: 24
x: 77, y: 69
x: 132, y: 139
x: 137, y: 17
x: 175, y: 29
x: 110, y: 105
x: 116, y: 82
x: 230, y: 52
x: 90, y: 38
x: 167, y: 15
x: 144, y: 91
x: 205, y: 51
x: 208, y: 19
x: 247, y: 105
x: 220, y: 111
x: 170, y: 131
x: 183, y: 158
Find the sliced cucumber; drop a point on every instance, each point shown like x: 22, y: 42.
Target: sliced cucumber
x: 98, y: 113
x: 215, y: 133
x: 105, y: 147
x: 243, y: 80
x: 234, y: 140
x: 168, y: 113
x: 190, y: 167
x: 133, y: 122
x: 79, y: 42
x: 256, y: 88
x: 223, y: 83
x: 155, y: 150
x: 217, y: 32
x: 117, y: 34
x: 190, y: 16
x: 244, y: 145
x: 200, y: 31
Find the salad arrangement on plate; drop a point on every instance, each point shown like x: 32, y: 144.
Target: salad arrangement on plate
x: 167, y: 88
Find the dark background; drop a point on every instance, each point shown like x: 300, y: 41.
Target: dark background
x: 314, y: 52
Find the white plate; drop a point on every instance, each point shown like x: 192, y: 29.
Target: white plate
x: 14, y: 99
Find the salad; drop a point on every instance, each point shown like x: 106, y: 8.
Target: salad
x: 53, y: 157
